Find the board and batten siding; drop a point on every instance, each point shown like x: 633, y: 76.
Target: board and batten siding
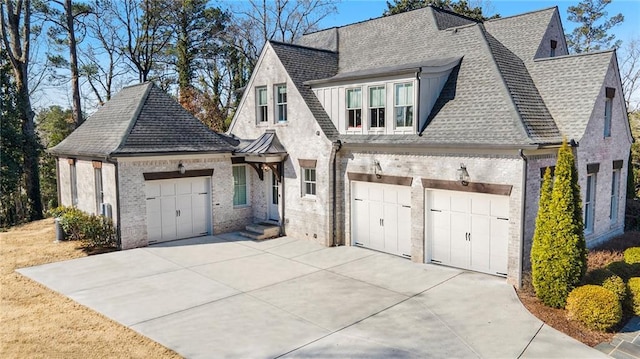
x: 333, y: 99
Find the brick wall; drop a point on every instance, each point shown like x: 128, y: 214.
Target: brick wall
x: 225, y: 217
x: 496, y: 168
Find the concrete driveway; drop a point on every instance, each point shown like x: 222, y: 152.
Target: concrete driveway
x: 228, y: 297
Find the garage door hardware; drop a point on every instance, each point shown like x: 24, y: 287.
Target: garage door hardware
x: 435, y: 210
x: 358, y: 244
x: 406, y: 255
x: 503, y: 219
x: 435, y: 260
x: 382, y: 222
x: 358, y: 199
x: 177, y: 213
x: 467, y: 236
x: 406, y: 206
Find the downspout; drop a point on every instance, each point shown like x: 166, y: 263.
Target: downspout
x: 118, y: 230
x: 418, y: 125
x: 281, y: 200
x: 522, y: 215
x: 334, y: 154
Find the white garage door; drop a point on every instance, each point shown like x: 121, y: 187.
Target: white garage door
x: 468, y: 230
x: 381, y: 217
x: 178, y: 208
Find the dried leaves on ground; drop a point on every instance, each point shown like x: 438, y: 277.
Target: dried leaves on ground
x: 40, y: 323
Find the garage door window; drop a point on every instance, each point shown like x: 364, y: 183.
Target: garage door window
x: 239, y: 186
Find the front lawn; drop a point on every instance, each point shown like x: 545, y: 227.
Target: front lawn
x: 40, y: 323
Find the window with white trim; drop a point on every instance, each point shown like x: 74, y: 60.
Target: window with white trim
x: 240, y: 185
x: 354, y: 107
x: 281, y: 103
x: 615, y: 194
x: 309, y: 179
x: 590, y: 203
x: 261, y: 103
x: 74, y: 182
x: 404, y: 104
x: 376, y: 106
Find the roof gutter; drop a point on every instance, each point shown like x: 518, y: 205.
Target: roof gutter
x: 431, y: 145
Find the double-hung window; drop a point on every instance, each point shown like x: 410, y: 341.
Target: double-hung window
x: 354, y: 107
x: 261, y: 101
x: 376, y: 106
x: 309, y: 181
x: 281, y: 103
x: 239, y: 186
x: 404, y: 105
x: 608, y: 107
x: 590, y: 203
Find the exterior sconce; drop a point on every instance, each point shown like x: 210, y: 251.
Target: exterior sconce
x: 181, y: 168
x: 265, y: 167
x: 377, y: 170
x: 463, y: 175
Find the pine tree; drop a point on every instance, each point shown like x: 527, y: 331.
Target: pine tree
x: 559, y: 254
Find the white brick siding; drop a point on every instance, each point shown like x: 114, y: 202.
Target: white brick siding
x: 133, y: 229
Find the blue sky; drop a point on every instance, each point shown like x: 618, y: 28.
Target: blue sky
x: 350, y: 11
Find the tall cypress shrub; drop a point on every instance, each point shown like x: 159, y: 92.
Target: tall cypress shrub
x: 559, y: 254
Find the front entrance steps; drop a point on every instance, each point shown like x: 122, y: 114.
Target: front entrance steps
x: 260, y: 231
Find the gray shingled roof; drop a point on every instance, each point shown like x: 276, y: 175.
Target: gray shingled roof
x: 141, y: 119
x: 523, y: 33
x: 304, y: 64
x: 570, y: 86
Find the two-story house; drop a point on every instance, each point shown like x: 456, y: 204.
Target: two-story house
x: 423, y: 134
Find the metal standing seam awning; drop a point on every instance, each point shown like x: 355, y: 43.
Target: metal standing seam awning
x: 266, y: 152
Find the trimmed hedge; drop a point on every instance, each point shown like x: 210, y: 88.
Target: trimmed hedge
x: 609, y: 280
x: 595, y: 306
x: 634, y: 294
x: 624, y: 270
x: 632, y: 255
x: 94, y: 231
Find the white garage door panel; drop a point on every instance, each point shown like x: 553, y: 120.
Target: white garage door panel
x: 177, y: 208
x: 468, y: 230
x: 381, y: 217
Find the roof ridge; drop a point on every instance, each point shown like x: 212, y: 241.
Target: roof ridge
x: 494, y: 62
x: 522, y: 14
x: 136, y: 114
x: 301, y: 46
x: 598, y: 52
x: 450, y: 12
x: 508, y: 65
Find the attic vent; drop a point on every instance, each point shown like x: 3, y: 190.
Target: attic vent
x: 554, y: 44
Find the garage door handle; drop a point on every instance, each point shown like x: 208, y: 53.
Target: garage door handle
x: 503, y: 219
x: 435, y: 210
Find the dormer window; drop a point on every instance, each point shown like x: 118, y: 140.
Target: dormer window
x: 608, y: 107
x: 404, y: 105
x: 354, y: 107
x: 554, y: 44
x: 376, y: 106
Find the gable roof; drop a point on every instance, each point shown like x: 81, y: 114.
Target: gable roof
x: 570, y: 86
x: 304, y: 64
x: 522, y: 33
x: 141, y: 119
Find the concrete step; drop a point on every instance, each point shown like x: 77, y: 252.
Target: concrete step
x: 260, y: 231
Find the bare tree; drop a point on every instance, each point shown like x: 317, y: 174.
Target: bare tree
x: 279, y: 20
x: 629, y: 56
x: 102, y: 61
x: 146, y: 32
x: 15, y: 31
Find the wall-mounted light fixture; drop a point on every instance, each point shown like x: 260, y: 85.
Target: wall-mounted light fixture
x: 377, y: 169
x: 266, y: 167
x: 462, y: 175
x: 181, y: 168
